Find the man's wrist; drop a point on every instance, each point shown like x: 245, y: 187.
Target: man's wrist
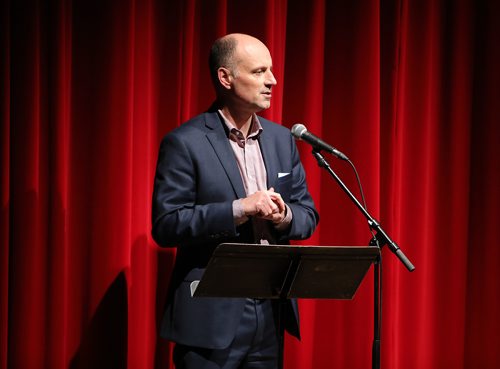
x: 285, y: 221
x: 239, y: 212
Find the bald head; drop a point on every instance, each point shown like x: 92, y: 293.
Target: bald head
x: 226, y: 52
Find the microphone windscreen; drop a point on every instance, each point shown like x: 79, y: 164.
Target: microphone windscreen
x: 298, y: 130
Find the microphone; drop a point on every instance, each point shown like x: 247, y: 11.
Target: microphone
x: 300, y: 132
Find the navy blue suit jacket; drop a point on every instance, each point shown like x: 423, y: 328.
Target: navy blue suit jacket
x: 197, y: 180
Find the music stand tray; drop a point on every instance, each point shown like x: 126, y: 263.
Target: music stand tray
x: 280, y: 271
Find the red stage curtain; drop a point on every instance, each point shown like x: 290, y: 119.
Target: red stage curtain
x: 409, y: 90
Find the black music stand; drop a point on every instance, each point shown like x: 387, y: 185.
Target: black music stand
x: 282, y: 272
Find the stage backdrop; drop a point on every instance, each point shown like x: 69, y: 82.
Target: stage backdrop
x: 409, y: 90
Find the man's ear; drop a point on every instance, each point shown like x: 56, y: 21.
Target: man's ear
x: 225, y: 77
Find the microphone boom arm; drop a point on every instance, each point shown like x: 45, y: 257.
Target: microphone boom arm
x: 381, y: 235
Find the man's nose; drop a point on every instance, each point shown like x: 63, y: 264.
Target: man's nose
x: 270, y: 80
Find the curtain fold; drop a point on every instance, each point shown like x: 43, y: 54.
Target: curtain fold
x: 408, y: 90
x: 4, y: 177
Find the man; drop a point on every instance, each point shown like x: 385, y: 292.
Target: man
x: 228, y: 176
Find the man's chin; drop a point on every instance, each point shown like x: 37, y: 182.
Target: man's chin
x: 264, y: 106
x: 255, y: 108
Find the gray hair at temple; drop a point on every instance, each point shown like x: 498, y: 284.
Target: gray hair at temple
x: 221, y: 55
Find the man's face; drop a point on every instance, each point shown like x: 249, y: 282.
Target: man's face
x: 252, y: 77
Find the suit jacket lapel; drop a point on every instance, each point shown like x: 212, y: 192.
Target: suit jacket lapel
x: 217, y: 137
x: 268, y: 153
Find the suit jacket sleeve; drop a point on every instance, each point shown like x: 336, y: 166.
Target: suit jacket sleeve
x: 180, y: 215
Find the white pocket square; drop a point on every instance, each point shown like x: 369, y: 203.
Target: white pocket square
x: 193, y: 286
x: 281, y: 175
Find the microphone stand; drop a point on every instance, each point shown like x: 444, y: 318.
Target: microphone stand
x: 381, y: 238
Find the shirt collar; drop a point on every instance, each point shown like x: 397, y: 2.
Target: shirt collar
x: 255, y: 128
